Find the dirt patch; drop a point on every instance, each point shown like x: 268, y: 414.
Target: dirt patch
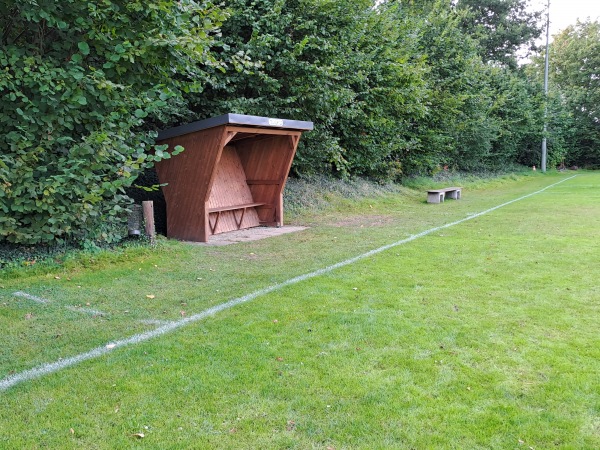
x: 364, y: 221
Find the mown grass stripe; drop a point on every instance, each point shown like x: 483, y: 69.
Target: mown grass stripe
x: 61, y: 364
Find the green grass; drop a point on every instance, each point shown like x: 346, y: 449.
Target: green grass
x: 481, y: 335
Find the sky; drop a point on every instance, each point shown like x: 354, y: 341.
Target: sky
x: 566, y: 12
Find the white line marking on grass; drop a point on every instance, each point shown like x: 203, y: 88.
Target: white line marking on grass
x: 46, y: 369
x: 30, y: 297
x: 44, y: 301
x: 91, y: 312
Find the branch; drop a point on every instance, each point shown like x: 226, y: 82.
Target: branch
x: 9, y: 25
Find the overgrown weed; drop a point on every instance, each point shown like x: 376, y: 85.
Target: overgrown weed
x: 472, y: 179
x: 24, y: 261
x: 316, y: 193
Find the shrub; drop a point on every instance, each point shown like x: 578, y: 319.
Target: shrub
x: 82, y: 84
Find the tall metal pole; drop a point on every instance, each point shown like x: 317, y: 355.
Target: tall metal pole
x: 544, y: 149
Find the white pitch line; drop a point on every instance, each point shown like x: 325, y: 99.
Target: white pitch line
x: 44, y: 301
x: 30, y: 297
x: 48, y: 368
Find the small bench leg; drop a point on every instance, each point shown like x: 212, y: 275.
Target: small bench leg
x: 213, y: 227
x: 239, y: 222
x: 454, y: 194
x: 435, y: 197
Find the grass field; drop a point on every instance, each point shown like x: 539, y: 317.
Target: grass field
x: 483, y: 334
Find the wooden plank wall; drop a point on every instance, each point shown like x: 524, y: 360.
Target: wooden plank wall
x: 229, y: 189
x: 189, y: 176
x: 267, y: 160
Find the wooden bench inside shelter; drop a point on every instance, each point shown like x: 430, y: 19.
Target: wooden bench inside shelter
x: 241, y: 208
x: 230, y: 176
x: 439, y: 195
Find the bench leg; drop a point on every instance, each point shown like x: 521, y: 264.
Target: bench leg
x: 454, y: 194
x: 239, y: 222
x: 213, y: 227
x: 435, y: 197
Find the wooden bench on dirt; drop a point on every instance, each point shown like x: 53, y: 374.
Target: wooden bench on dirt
x: 439, y: 195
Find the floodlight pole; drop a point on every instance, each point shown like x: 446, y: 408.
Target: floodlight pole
x: 544, y: 149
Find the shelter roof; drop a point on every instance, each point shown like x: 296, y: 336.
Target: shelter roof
x: 236, y: 119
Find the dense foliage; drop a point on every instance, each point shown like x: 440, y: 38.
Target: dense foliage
x: 576, y: 77
x: 394, y: 87
x: 502, y: 27
x: 78, y: 81
x: 336, y: 63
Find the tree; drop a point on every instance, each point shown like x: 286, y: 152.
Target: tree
x: 518, y: 109
x: 457, y: 129
x: 343, y: 64
x: 502, y: 27
x: 575, y: 56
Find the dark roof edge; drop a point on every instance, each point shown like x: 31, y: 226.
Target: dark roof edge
x: 235, y: 119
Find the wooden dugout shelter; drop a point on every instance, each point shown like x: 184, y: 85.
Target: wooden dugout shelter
x: 230, y: 176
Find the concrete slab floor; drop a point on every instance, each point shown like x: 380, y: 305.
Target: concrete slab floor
x: 249, y: 234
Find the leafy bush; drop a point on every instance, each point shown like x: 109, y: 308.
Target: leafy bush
x: 82, y: 84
